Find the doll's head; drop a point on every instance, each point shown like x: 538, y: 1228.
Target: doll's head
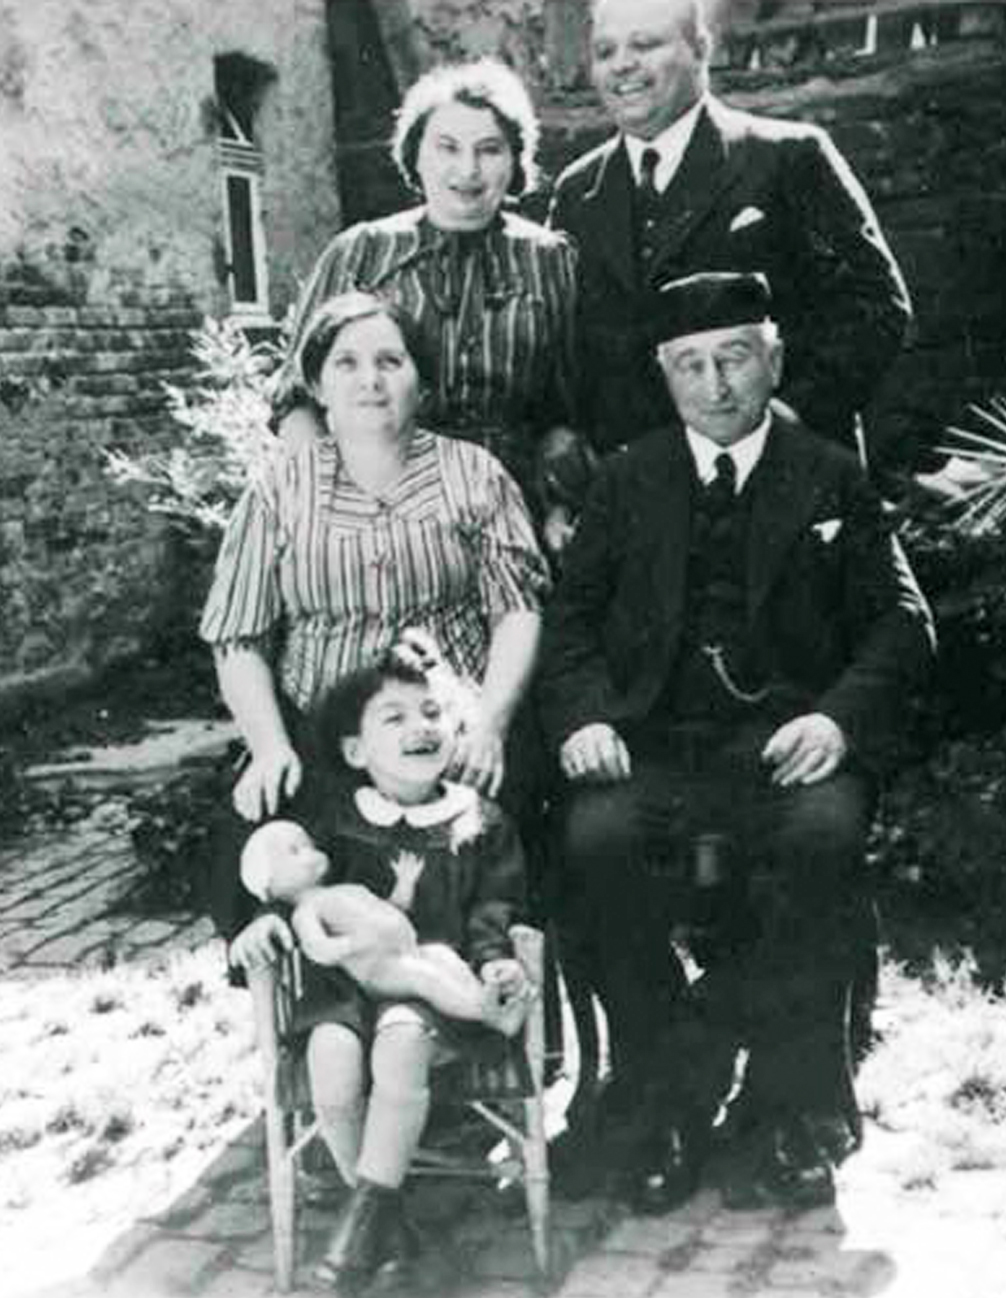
x: 396, y: 720
x: 280, y: 862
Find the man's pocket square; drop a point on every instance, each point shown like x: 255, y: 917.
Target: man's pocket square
x: 747, y: 216
x: 828, y: 529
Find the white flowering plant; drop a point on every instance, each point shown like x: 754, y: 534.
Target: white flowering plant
x: 223, y: 414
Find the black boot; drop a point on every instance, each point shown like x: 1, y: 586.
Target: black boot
x: 362, y: 1238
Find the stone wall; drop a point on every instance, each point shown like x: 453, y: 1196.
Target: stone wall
x: 111, y: 251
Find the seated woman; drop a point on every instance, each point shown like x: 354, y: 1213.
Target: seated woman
x: 491, y: 293
x: 452, y: 860
x: 353, y: 536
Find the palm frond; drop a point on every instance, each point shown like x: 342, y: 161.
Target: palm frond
x: 977, y: 470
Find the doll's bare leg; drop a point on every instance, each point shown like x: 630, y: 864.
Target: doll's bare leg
x: 442, y: 979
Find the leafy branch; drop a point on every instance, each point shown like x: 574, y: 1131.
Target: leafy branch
x: 224, y: 415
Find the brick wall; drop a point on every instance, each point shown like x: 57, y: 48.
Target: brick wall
x: 84, y: 577
x: 111, y: 251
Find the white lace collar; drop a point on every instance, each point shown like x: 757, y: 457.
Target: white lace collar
x: 374, y: 807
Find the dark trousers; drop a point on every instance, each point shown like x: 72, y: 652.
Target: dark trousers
x: 778, y: 977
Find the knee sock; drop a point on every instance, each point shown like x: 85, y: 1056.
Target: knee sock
x: 399, y: 1103
x: 336, y: 1070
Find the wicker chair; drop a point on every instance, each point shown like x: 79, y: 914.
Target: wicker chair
x: 498, y: 1092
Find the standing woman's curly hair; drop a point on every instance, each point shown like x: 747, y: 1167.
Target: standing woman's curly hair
x: 484, y: 83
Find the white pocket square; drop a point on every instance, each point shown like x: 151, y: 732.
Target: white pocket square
x: 747, y: 216
x: 828, y: 529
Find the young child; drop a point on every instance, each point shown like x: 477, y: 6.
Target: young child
x: 348, y: 926
x: 386, y: 819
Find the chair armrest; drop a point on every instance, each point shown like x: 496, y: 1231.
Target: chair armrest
x: 262, y: 981
x: 529, y: 949
x: 274, y: 989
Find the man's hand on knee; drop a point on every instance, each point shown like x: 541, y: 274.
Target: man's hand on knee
x: 595, y: 752
x: 806, y: 750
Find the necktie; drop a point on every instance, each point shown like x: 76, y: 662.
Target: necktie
x: 647, y: 175
x: 726, y: 472
x: 721, y: 490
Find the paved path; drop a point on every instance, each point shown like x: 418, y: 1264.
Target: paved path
x: 59, y: 907
x: 215, y: 1243
x: 64, y: 893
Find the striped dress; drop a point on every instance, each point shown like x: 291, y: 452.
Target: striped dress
x: 333, y: 574
x: 495, y: 310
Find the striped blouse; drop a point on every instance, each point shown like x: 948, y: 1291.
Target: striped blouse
x: 495, y: 310
x: 340, y: 573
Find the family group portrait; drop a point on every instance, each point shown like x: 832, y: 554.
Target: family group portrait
x: 503, y: 648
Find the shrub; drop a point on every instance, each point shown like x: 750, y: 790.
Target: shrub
x: 943, y: 827
x: 223, y: 419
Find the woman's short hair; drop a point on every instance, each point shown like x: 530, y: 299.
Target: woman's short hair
x: 482, y: 83
x: 335, y: 313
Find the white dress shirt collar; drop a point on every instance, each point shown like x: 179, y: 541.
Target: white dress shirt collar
x: 745, y: 454
x: 671, y: 144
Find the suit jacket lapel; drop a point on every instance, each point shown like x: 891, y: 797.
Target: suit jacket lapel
x: 608, y: 207
x: 786, y: 489
x: 706, y: 171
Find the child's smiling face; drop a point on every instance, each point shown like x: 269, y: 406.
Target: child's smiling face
x: 405, y: 743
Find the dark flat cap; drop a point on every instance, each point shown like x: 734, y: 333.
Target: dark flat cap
x: 712, y: 300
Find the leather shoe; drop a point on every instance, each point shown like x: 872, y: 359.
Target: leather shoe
x: 837, y: 1135
x: 670, y: 1174
x: 781, y: 1165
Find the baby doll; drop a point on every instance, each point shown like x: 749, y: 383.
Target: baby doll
x: 347, y: 925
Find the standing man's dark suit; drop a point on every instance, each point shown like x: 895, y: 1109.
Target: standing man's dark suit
x: 821, y: 616
x: 750, y: 194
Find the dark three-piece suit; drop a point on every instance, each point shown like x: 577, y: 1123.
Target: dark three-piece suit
x: 814, y: 608
x: 751, y: 194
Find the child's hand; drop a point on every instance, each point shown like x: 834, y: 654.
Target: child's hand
x: 260, y: 942
x: 407, y: 867
x: 506, y: 976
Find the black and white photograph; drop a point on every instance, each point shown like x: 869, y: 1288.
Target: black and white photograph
x: 528, y: 477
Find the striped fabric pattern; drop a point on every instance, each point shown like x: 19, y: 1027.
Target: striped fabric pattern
x: 340, y: 573
x: 496, y: 311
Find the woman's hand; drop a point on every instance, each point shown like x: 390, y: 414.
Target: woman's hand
x: 261, y: 942
x: 595, y: 752
x: 478, y: 758
x: 267, y: 778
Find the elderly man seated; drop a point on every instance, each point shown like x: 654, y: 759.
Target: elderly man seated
x: 728, y: 652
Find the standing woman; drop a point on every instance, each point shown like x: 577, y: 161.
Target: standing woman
x: 492, y: 294
x: 372, y: 527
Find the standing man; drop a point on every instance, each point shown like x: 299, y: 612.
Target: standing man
x: 688, y: 184
x: 727, y: 653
